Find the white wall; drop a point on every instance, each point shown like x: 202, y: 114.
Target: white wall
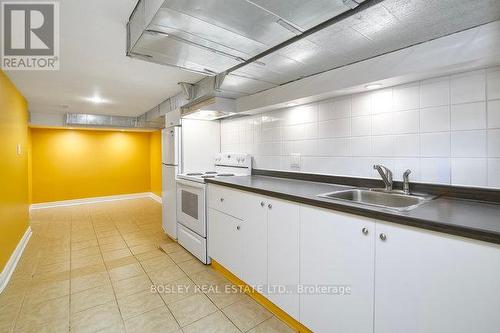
x: 446, y: 130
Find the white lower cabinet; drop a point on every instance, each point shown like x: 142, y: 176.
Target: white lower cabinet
x: 225, y: 240
x: 400, y: 279
x: 336, y: 250
x: 428, y: 282
x: 283, y: 255
x: 254, y: 242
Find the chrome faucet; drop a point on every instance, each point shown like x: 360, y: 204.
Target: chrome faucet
x: 406, y: 181
x: 386, y: 175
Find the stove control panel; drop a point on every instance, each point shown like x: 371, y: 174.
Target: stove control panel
x: 233, y: 160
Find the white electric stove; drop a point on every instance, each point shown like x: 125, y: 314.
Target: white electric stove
x: 192, y: 205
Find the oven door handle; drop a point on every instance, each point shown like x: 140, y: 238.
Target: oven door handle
x: 188, y: 183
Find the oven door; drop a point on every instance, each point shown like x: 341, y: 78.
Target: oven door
x: 191, y: 207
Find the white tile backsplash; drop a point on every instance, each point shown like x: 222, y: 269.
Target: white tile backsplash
x: 494, y: 114
x: 493, y: 83
x: 494, y: 143
x: 361, y: 126
x: 435, y: 92
x: 435, y: 144
x: 468, y: 116
x: 361, y: 105
x: 494, y: 172
x: 407, y: 97
x: 446, y: 130
x: 469, y: 171
x: 435, y: 119
x: 468, y: 87
x: 468, y: 144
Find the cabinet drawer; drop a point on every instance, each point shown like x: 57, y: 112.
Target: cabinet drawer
x: 226, y: 200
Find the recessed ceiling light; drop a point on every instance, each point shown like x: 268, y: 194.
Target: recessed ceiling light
x: 373, y: 86
x: 292, y: 104
x: 96, y: 100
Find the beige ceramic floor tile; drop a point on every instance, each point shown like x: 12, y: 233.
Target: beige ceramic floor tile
x: 58, y: 325
x: 44, y: 291
x: 166, y: 275
x: 116, y: 254
x: 191, y: 309
x: 124, y: 261
x: 109, y: 240
x: 91, y: 260
x: 181, y: 256
x: 143, y: 248
x: 84, y: 271
x: 214, y: 323
x: 208, y: 277
x: 136, y: 304
x: 170, y: 247
x: 91, y: 297
x: 116, y: 245
x: 96, y: 318
x: 89, y: 251
x: 89, y: 281
x: 193, y: 266
x: 132, y: 285
x: 149, y: 255
x: 177, y: 290
x: 246, y: 314
x: 125, y: 272
x: 224, y: 294
x: 83, y: 245
x: 157, y: 263
x: 42, y: 313
x: 159, y: 320
x: 272, y: 325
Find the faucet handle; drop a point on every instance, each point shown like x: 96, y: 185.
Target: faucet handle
x: 406, y: 173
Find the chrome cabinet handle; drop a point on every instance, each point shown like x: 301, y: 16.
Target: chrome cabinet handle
x: 269, y: 206
x: 238, y: 228
x: 262, y: 203
x: 383, y: 237
x: 364, y: 231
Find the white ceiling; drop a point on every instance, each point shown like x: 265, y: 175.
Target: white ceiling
x: 93, y: 62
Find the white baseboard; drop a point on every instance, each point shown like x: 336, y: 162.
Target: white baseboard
x: 13, y: 260
x: 155, y: 197
x: 85, y: 201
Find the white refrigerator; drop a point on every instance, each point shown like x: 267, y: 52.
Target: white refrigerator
x: 171, y: 166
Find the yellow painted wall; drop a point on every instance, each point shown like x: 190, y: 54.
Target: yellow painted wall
x: 155, y: 153
x: 72, y: 164
x: 14, y: 188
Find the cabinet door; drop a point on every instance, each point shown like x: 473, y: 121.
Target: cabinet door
x: 224, y: 240
x: 334, y: 251
x: 283, y: 255
x: 254, y: 242
x: 429, y: 282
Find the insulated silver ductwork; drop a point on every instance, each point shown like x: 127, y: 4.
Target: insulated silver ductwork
x: 123, y: 122
x: 260, y: 44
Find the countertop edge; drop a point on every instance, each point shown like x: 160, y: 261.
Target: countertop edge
x: 380, y: 215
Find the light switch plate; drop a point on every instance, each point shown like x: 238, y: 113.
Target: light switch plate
x: 295, y: 161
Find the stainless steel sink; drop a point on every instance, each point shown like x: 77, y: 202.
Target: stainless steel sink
x: 394, y: 200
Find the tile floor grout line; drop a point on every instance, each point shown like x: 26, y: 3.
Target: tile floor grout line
x: 107, y: 271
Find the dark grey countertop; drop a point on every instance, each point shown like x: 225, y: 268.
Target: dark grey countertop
x: 467, y: 218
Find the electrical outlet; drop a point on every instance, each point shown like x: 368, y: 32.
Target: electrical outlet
x: 18, y: 149
x: 295, y: 161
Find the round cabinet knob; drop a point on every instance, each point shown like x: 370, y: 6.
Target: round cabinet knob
x: 221, y: 199
x: 364, y: 231
x: 383, y: 237
x: 262, y: 203
x: 238, y: 228
x: 269, y: 206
